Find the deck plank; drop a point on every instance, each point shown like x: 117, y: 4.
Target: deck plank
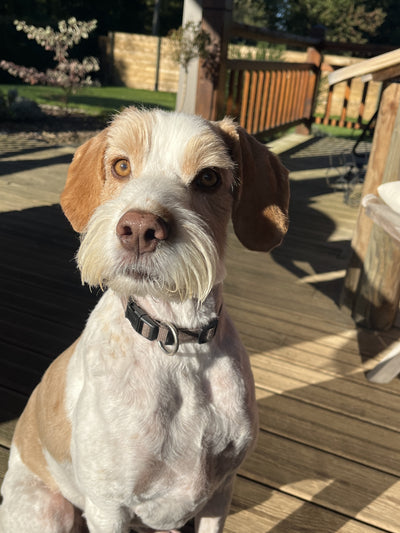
x: 326, y: 479
x: 257, y: 508
x: 335, y: 433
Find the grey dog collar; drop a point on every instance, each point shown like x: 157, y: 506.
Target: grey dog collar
x: 167, y: 335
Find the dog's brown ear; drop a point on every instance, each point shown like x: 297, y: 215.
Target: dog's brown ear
x: 82, y: 192
x: 260, y: 209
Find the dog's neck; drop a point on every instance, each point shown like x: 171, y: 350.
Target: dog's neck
x: 186, y: 314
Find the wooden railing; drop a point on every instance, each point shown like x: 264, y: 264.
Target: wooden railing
x: 268, y: 96
x: 346, y: 104
x: 357, y: 90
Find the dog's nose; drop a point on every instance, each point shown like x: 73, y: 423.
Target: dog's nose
x: 140, y: 231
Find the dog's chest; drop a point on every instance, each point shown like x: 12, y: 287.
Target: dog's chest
x: 156, y: 428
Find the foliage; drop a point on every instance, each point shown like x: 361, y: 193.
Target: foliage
x: 15, y: 107
x: 265, y: 13
x: 262, y: 52
x: 188, y: 42
x: 69, y: 74
x: 345, y: 20
x: 355, y: 21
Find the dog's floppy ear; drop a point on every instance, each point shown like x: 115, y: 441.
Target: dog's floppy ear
x: 82, y: 192
x: 260, y: 209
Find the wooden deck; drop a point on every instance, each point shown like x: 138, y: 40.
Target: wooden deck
x: 328, y: 455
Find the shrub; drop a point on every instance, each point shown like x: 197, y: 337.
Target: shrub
x: 15, y: 107
x: 25, y: 110
x: 189, y: 41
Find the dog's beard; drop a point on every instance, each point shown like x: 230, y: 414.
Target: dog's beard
x: 185, y: 266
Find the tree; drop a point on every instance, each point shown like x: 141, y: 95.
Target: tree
x: 344, y: 20
x: 356, y: 21
x: 69, y: 74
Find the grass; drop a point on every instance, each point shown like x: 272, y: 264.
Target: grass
x: 100, y: 101
x: 336, y: 131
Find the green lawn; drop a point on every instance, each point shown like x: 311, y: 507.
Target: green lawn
x: 96, y: 100
x: 336, y: 131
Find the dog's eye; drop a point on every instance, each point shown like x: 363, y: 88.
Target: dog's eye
x: 122, y: 168
x: 207, y: 179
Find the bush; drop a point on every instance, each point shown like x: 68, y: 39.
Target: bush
x: 25, y: 110
x: 15, y: 107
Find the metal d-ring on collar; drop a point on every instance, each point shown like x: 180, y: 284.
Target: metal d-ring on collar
x: 175, y: 345
x: 169, y: 337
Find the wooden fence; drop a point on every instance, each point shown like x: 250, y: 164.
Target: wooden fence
x: 266, y: 96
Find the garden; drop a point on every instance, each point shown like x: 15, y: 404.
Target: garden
x: 64, y: 102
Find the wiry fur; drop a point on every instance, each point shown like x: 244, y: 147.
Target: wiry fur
x: 117, y: 430
x: 182, y: 268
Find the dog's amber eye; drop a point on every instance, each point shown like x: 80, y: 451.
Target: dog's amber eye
x: 122, y: 168
x: 207, y: 179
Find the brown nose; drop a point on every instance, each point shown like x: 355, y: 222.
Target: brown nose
x: 140, y: 231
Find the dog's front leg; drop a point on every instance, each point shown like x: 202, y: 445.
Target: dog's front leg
x: 211, y: 518
x: 105, y: 519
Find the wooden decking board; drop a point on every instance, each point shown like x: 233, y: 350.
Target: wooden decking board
x: 305, y: 238
x: 313, y: 475
x: 3, y: 461
x: 316, y: 351
x: 19, y: 377
x: 335, y: 433
x: 258, y: 508
x: 39, y: 332
x: 302, y: 299
x: 38, y: 250
x: 258, y: 329
x: 6, y: 432
x: 261, y: 328
x: 328, y: 456
x: 257, y: 313
x: 68, y: 286
x: 336, y: 394
x: 42, y: 301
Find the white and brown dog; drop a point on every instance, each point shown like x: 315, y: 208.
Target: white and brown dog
x: 143, y: 422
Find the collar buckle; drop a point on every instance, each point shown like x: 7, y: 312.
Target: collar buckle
x: 208, y: 332
x: 142, y: 322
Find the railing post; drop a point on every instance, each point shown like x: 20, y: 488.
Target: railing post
x: 187, y: 86
x: 372, y: 288
x: 314, y: 56
x: 217, y: 21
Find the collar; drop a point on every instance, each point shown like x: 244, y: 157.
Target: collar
x: 165, y: 333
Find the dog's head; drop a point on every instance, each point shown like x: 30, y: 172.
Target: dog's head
x: 152, y: 195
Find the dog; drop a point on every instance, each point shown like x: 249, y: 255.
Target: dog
x: 144, y: 421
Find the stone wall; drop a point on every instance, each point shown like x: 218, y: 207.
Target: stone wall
x: 131, y: 60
